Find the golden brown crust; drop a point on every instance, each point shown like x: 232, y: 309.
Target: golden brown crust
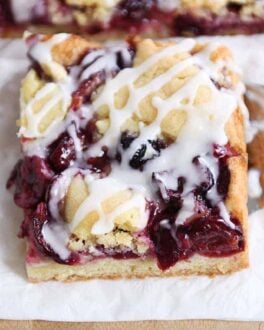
x: 136, y: 268
x: 213, y: 6
x: 71, y: 50
x: 254, y: 101
x: 237, y: 193
x: 256, y: 146
x: 256, y: 151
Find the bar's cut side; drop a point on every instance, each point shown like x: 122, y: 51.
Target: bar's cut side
x: 162, y: 18
x: 134, y: 159
x: 255, y: 139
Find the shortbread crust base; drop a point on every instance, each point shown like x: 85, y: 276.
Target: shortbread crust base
x: 109, y: 268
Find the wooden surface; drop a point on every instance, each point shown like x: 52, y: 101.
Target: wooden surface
x: 146, y: 325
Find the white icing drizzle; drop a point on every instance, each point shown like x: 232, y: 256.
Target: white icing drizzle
x: 76, y: 141
x: 57, y: 237
x: 99, y: 191
x: 106, y: 60
x: 39, y: 146
x: 41, y: 51
x: 205, y: 125
x: 225, y: 215
x: 31, y: 130
x: 254, y: 186
x: 59, y: 189
x: 128, y: 76
x: 215, y: 70
x: 93, y: 62
x: 187, y: 209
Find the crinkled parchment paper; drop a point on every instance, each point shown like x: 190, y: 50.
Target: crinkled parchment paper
x: 238, y: 297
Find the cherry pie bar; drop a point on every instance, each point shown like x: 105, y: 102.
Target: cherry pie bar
x: 134, y: 159
x: 254, y: 101
x: 161, y: 18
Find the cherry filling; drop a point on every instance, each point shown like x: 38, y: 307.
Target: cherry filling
x: 189, y: 23
x: 223, y: 178
x: 206, y: 235
x: 127, y: 138
x: 116, y: 254
x: 31, y: 178
x: 135, y: 9
x: 100, y: 165
x: 135, y: 16
x: 6, y: 16
x: 147, y: 151
x: 40, y: 12
x: 61, y: 153
x: 205, y: 232
x: 170, y: 196
x: 207, y: 179
x: 86, y: 88
x: 223, y: 153
x: 34, y: 230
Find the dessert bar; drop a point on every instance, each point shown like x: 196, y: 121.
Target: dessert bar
x: 255, y: 139
x: 134, y: 159
x: 148, y: 17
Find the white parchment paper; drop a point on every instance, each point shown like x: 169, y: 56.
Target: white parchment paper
x: 237, y: 297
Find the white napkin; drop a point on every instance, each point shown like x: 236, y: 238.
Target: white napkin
x: 238, y: 297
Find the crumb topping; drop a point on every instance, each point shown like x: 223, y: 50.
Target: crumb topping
x: 133, y: 134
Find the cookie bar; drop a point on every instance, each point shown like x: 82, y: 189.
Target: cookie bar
x: 134, y: 159
x: 148, y: 17
x: 254, y: 100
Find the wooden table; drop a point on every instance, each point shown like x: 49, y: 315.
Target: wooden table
x: 146, y: 325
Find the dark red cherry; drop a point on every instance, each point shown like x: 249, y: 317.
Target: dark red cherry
x: 135, y: 9
x: 100, y: 165
x: 225, y: 151
x: 39, y: 218
x: 223, y: 179
x: 161, y: 229
x: 62, y: 153
x: 127, y: 138
x: 211, y: 236
x: 169, y: 195
x: 30, y: 177
x: 6, y: 16
x: 152, y: 148
x: 137, y: 161
x: 207, y: 178
x: 206, y: 234
x: 90, y: 133
x: 86, y: 88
